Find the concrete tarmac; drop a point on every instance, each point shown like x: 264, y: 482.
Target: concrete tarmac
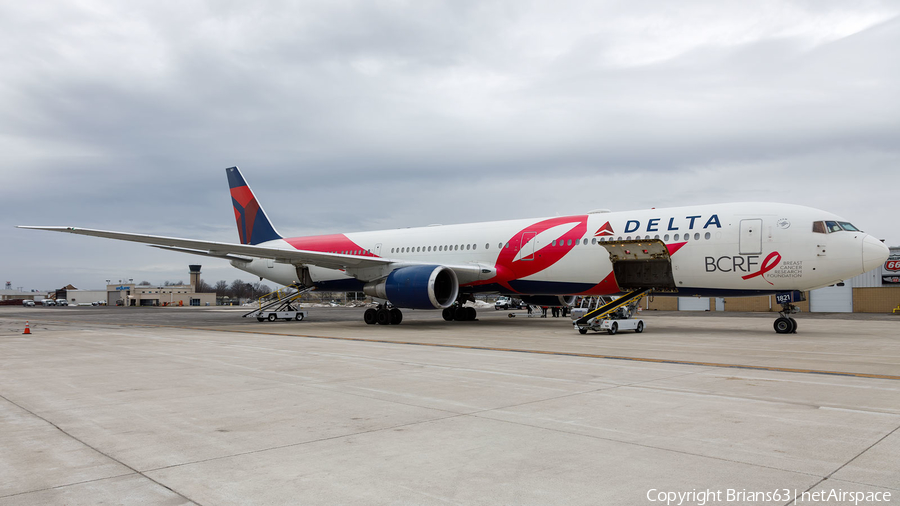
x: 200, y: 406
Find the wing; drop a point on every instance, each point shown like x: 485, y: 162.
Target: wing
x: 232, y: 251
x: 357, y: 266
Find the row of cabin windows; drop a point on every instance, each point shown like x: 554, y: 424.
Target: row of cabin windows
x: 448, y: 247
x: 561, y: 242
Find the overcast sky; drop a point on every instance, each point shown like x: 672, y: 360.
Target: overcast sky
x: 348, y: 116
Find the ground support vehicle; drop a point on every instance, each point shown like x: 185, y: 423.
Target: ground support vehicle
x: 614, y: 316
x: 281, y: 307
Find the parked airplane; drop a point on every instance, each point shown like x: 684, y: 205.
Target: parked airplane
x: 739, y: 249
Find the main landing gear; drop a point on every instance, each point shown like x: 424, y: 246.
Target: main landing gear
x: 383, y: 315
x: 459, y: 313
x: 784, y: 324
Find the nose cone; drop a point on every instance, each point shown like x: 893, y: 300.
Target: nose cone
x: 874, y: 253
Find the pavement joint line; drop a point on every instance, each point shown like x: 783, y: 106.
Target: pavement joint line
x: 65, y: 485
x: 312, y: 441
x: 67, y: 434
x: 644, y: 445
x: 845, y: 464
x: 524, y: 350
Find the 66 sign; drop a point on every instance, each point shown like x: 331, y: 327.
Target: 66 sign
x: 892, y: 265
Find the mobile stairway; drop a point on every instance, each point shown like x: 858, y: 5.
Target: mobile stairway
x: 282, y: 307
x: 621, y: 308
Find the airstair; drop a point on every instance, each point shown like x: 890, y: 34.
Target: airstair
x: 284, y: 297
x: 630, y: 299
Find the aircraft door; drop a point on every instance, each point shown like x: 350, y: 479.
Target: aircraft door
x: 751, y: 237
x: 527, y: 246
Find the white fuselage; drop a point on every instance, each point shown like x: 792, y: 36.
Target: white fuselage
x: 739, y: 249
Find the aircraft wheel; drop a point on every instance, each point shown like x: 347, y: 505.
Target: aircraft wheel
x: 396, y: 316
x: 582, y: 330
x: 471, y: 314
x: 299, y: 317
x: 447, y: 313
x: 383, y: 317
x: 613, y: 328
x: 369, y: 316
x: 272, y: 317
x: 461, y: 314
x: 640, y: 328
x: 783, y: 325
x: 793, y: 325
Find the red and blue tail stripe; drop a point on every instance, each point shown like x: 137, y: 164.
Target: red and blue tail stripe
x: 253, y: 225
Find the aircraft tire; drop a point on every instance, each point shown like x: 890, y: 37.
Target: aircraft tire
x: 461, y: 314
x: 396, y: 316
x: 793, y: 325
x: 369, y: 316
x: 783, y: 325
x: 447, y: 313
x: 383, y: 317
x: 471, y: 314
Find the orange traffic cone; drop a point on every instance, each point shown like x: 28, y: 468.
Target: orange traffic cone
x: 27, y: 329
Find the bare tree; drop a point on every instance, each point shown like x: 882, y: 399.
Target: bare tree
x: 222, y: 288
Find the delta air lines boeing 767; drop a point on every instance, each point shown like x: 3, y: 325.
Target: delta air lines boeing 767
x: 738, y: 249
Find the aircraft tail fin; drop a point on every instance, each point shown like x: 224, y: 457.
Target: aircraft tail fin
x: 253, y: 225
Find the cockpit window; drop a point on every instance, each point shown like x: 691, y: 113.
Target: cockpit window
x: 832, y: 226
x: 827, y: 227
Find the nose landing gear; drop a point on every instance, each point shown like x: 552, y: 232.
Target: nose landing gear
x: 784, y: 324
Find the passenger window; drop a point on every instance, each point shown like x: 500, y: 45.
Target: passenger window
x: 666, y: 237
x: 707, y: 236
x: 487, y: 246
x: 697, y: 236
x: 585, y: 241
x: 675, y: 238
x: 819, y: 227
x: 569, y: 242
x: 593, y: 240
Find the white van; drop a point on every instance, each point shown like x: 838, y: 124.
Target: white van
x: 62, y: 302
x: 48, y: 302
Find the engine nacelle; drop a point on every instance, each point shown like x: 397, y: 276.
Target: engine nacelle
x: 549, y: 300
x: 417, y: 287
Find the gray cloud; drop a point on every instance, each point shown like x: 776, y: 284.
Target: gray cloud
x: 365, y: 115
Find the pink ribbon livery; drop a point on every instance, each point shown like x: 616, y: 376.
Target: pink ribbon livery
x: 768, y: 264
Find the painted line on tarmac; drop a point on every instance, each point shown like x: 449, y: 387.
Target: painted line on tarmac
x: 518, y: 350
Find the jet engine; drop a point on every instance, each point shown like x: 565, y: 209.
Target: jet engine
x: 549, y: 300
x: 417, y: 287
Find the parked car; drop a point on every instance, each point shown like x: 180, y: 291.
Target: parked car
x: 28, y: 303
x: 62, y: 302
x: 508, y: 303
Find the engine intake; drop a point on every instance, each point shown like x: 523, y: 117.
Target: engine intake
x: 549, y: 300
x: 417, y: 287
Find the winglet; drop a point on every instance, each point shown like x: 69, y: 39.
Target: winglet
x: 253, y: 225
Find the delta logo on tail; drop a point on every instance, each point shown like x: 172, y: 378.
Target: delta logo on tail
x: 253, y: 225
